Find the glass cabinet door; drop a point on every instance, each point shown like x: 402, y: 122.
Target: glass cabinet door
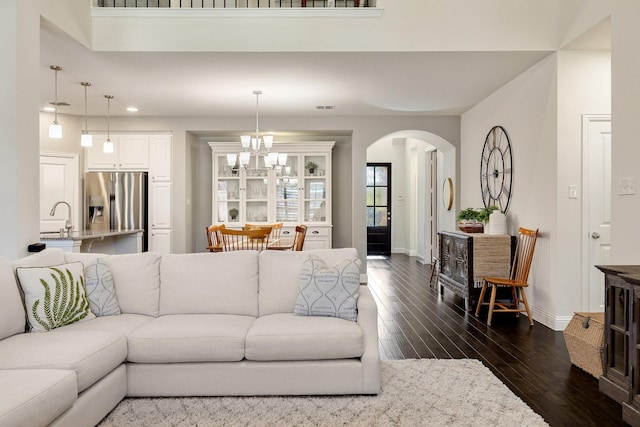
x: 287, y: 198
x: 227, y: 192
x: 315, y: 188
x: 256, y: 195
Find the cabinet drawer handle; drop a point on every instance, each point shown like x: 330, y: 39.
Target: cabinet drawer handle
x: 286, y: 232
x: 315, y: 232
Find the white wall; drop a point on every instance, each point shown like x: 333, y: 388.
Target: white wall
x: 625, y: 122
x: 541, y: 110
x: 527, y: 109
x: 584, y: 86
x: 19, y: 177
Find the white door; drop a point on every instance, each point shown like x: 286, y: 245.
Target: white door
x: 597, y: 206
x: 58, y: 182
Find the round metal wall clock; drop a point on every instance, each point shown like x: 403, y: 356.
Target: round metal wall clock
x: 496, y: 169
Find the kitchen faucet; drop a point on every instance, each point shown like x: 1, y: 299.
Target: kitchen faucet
x: 67, y: 223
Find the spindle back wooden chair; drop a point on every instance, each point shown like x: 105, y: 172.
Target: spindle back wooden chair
x: 517, y: 280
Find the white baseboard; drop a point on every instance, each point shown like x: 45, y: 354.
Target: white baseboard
x: 557, y: 323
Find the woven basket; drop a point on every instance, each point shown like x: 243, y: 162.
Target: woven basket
x: 584, y: 336
x: 472, y: 228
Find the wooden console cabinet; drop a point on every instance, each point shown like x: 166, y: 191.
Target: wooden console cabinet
x: 621, y: 378
x: 467, y: 257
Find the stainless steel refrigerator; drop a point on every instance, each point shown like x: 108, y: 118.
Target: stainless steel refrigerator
x: 116, y: 201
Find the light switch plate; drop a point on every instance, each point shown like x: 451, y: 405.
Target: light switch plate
x: 573, y: 191
x: 627, y: 186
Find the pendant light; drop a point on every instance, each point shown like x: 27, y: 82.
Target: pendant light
x: 254, y: 144
x: 86, y: 140
x: 108, y: 144
x: 55, y: 129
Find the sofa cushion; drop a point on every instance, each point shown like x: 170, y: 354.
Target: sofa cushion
x: 90, y: 354
x: 329, y: 290
x: 190, y: 338
x: 49, y: 256
x: 280, y: 276
x: 122, y: 325
x: 12, y: 315
x: 35, y: 397
x: 221, y: 283
x: 54, y: 296
x: 100, y: 290
x: 286, y: 336
x: 136, y: 278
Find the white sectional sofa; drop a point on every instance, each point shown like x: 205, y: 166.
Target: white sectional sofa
x: 190, y: 325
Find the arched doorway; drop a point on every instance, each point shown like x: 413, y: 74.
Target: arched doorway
x: 418, y: 161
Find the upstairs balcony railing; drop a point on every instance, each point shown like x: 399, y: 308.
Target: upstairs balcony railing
x: 237, y: 4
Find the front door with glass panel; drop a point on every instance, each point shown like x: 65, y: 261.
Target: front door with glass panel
x: 378, y: 208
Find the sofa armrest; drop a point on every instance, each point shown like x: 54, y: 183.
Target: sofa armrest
x: 368, y: 321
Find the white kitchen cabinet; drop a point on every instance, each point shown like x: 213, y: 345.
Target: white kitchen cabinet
x: 161, y: 202
x: 160, y: 158
x: 160, y: 217
x: 160, y: 241
x: 131, y: 152
x: 292, y: 194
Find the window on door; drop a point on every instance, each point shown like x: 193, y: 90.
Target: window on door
x: 378, y: 209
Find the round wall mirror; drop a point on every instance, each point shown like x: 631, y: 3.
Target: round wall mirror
x: 447, y: 193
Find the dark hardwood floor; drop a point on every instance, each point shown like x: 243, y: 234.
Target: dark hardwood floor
x: 415, y: 322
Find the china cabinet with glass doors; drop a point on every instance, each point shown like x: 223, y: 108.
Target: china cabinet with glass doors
x: 295, y: 192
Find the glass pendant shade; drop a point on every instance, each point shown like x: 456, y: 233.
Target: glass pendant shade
x: 245, y: 140
x: 268, y: 141
x: 231, y: 159
x: 244, y: 158
x: 55, y: 130
x: 108, y: 146
x: 86, y: 140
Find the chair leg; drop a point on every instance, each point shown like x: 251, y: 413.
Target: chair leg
x: 492, y: 302
x: 514, y: 297
x: 526, y: 305
x: 481, y: 299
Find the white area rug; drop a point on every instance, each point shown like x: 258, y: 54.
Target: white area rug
x: 426, y: 392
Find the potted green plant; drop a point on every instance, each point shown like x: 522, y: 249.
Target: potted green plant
x: 468, y: 215
x: 233, y: 213
x: 311, y: 167
x: 468, y: 221
x: 484, y: 213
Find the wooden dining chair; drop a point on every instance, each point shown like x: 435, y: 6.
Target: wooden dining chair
x: 244, y: 240
x: 296, y: 245
x: 517, y: 280
x: 276, y: 230
x: 214, y: 239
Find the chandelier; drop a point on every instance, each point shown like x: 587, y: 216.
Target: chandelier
x: 258, y: 147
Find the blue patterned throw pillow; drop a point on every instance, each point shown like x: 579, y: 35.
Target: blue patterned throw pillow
x: 100, y: 289
x: 329, y: 290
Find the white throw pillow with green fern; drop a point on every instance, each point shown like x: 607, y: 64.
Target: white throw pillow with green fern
x: 54, y: 296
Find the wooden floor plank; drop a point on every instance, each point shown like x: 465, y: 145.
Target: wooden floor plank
x: 415, y: 321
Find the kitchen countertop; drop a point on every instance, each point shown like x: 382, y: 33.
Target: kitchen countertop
x: 86, y: 234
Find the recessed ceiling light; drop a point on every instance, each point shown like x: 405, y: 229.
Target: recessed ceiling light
x: 132, y: 109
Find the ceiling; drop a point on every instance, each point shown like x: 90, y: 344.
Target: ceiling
x: 221, y: 84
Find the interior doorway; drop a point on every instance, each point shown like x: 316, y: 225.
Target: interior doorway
x: 378, y: 208
x: 596, y: 146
